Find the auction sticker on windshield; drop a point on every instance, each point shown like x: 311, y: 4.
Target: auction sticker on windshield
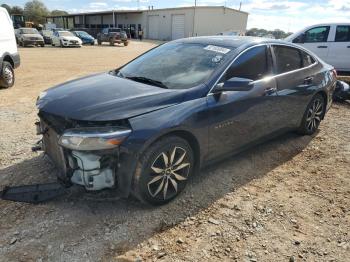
x: 217, y: 49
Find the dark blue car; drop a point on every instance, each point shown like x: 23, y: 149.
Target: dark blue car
x: 148, y: 126
x: 85, y: 37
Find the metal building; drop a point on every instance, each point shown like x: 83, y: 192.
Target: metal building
x: 161, y: 24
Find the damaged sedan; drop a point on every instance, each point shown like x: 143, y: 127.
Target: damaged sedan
x: 147, y: 127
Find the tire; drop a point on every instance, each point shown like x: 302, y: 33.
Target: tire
x: 99, y: 42
x: 61, y: 44
x: 313, y: 115
x: 42, y: 45
x: 126, y: 43
x: 7, y: 75
x: 154, y: 183
x: 111, y: 42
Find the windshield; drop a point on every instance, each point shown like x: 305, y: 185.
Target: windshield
x: 29, y: 31
x: 82, y: 33
x: 176, y: 65
x: 65, y: 33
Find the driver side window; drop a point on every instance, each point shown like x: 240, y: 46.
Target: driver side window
x: 252, y: 64
x: 317, y: 34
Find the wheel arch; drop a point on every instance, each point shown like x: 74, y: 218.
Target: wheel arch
x: 188, y: 136
x: 9, y: 59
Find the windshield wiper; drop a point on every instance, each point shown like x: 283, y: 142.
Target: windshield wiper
x: 146, y: 80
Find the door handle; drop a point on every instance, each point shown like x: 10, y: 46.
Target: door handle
x: 322, y: 46
x: 270, y: 90
x: 308, y: 80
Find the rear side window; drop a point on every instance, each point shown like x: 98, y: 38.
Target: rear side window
x: 342, y: 34
x: 307, y: 59
x: 287, y: 59
x: 252, y: 64
x: 317, y: 34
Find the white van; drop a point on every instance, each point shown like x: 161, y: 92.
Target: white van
x: 330, y: 42
x: 9, y: 57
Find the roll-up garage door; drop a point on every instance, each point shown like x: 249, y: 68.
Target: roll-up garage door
x: 177, y: 26
x: 153, y: 27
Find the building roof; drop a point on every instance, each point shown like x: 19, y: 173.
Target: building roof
x: 143, y: 10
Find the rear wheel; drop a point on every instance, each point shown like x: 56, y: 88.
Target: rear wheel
x: 7, y: 75
x: 111, y: 42
x: 313, y: 115
x: 163, y: 171
x: 99, y: 42
x: 126, y: 43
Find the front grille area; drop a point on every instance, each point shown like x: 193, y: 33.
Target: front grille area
x: 52, y: 148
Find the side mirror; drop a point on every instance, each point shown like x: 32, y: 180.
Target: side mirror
x: 234, y: 84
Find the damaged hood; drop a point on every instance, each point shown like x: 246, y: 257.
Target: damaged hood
x: 105, y: 97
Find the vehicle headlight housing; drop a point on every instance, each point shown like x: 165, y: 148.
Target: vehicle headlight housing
x: 93, y: 138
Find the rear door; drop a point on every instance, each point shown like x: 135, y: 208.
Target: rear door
x: 315, y: 40
x: 295, y: 72
x: 339, y: 52
x: 237, y: 118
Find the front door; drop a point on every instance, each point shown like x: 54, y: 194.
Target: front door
x: 238, y: 118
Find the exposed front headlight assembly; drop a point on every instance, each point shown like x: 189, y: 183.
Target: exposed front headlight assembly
x: 93, y: 138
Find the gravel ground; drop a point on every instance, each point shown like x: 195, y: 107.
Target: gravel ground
x: 285, y: 200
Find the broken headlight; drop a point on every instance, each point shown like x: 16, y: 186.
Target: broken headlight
x: 93, y: 138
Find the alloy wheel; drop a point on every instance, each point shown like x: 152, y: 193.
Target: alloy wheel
x: 168, y: 171
x: 8, y: 75
x: 314, y: 115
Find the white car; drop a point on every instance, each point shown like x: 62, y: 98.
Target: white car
x: 9, y: 57
x: 330, y: 42
x: 65, y: 39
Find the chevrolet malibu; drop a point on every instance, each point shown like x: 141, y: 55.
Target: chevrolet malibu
x: 147, y: 127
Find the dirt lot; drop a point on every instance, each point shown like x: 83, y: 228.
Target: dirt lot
x: 285, y: 200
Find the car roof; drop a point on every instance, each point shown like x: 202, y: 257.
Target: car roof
x: 232, y: 41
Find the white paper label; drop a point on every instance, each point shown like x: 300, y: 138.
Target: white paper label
x: 217, y: 49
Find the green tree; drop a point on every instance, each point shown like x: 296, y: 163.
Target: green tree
x: 7, y: 7
x: 36, y: 11
x: 17, y: 10
x: 58, y: 12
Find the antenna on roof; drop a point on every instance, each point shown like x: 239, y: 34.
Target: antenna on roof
x: 240, y: 6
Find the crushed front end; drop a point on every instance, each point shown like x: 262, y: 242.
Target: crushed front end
x: 86, y: 153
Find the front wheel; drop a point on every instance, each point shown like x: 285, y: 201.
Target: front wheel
x: 126, y: 43
x: 313, y: 115
x: 7, y: 75
x: 163, y: 171
x: 111, y: 42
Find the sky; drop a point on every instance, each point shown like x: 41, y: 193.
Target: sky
x: 281, y: 14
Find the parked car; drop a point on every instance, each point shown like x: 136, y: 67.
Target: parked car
x: 9, y: 57
x: 30, y: 36
x: 148, y: 126
x: 330, y: 42
x: 112, y: 36
x: 65, y: 39
x: 47, y: 35
x: 84, y: 37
